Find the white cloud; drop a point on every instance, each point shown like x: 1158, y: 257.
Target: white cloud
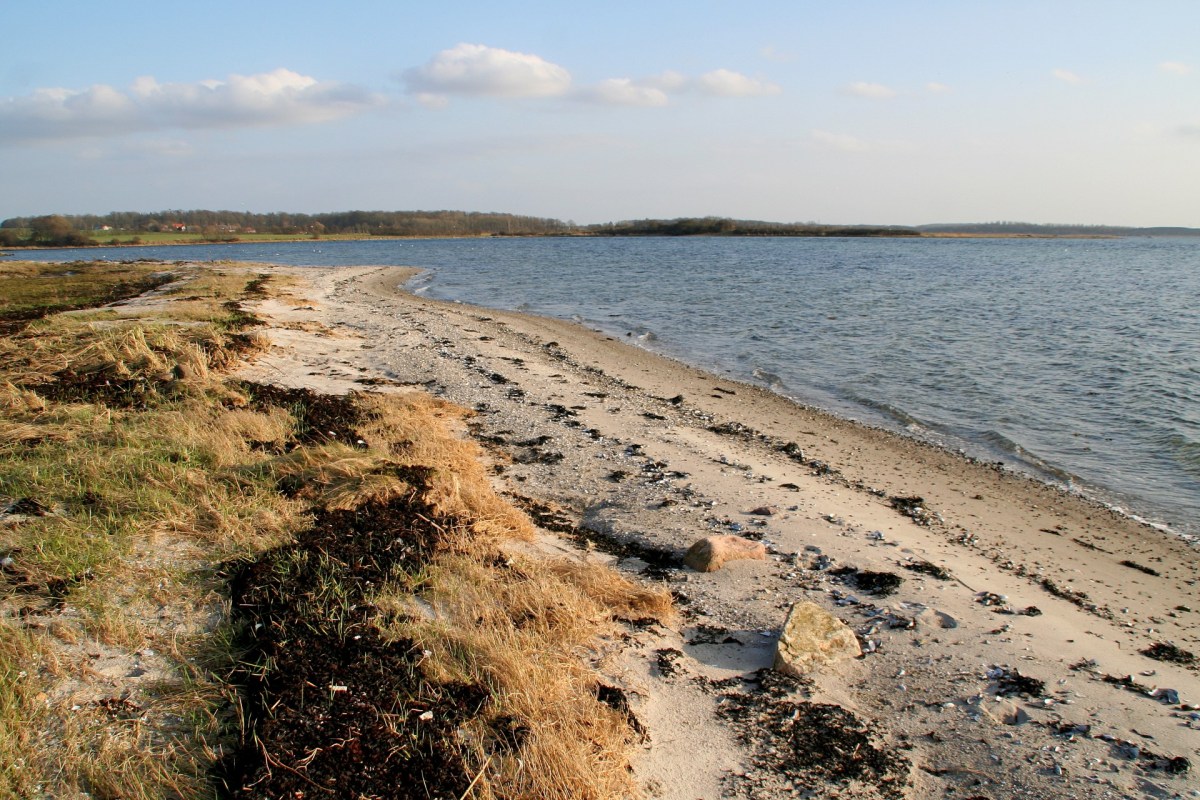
x: 875, y: 91
x: 726, y: 83
x: 624, y: 92
x: 474, y: 69
x: 657, y: 90
x: 1066, y: 76
x: 937, y: 88
x: 840, y: 141
x: 280, y: 97
x: 669, y: 81
x: 1176, y: 67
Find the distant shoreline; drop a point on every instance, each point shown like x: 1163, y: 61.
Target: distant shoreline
x: 14, y: 250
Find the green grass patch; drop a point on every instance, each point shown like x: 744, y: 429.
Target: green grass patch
x: 30, y: 290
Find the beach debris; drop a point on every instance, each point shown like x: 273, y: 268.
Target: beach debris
x: 667, y: 660
x: 912, y: 507
x: 880, y: 584
x: 1010, y: 681
x: 811, y: 636
x: 763, y: 511
x: 713, y: 552
x: 1140, y: 568
x: 1168, y: 696
x: 1165, y: 651
x: 792, y: 451
x: 927, y: 568
x: 991, y: 599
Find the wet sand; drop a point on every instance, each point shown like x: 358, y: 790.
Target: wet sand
x: 632, y: 457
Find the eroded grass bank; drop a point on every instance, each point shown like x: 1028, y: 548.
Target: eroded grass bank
x: 209, y: 588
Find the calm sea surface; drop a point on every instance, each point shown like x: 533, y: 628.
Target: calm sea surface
x: 1078, y: 360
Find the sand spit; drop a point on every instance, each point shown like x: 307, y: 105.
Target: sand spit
x: 1017, y: 641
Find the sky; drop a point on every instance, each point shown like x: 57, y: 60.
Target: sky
x: 851, y: 112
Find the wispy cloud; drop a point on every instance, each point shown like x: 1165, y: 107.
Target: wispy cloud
x: 658, y: 90
x: 933, y: 87
x: 727, y: 83
x: 874, y: 91
x: 1067, y: 76
x: 280, y: 97
x: 623, y: 92
x: 1176, y: 67
x: 481, y: 71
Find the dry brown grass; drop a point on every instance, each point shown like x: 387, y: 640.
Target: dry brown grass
x: 521, y: 627
x: 142, y: 503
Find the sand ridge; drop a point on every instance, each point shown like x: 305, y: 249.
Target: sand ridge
x: 632, y: 457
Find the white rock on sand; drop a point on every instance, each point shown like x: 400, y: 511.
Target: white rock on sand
x: 645, y: 456
x: 812, y: 637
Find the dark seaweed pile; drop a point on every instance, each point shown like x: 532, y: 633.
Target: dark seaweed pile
x: 813, y: 743
x: 329, y: 707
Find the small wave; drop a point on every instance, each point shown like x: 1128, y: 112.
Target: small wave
x: 1005, y: 446
x: 889, y: 411
x: 769, y: 378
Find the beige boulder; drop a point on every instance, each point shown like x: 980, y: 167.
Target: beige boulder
x: 811, y: 637
x: 713, y: 552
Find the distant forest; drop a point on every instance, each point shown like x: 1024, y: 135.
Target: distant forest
x: 89, y: 229
x: 371, y: 223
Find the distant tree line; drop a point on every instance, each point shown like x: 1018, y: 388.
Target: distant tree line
x: 88, y: 229
x: 723, y: 226
x: 226, y: 224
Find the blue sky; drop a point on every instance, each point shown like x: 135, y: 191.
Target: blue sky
x: 875, y: 111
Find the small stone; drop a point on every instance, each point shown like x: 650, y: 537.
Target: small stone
x: 931, y: 618
x: 763, y: 511
x: 811, y: 637
x: 713, y: 552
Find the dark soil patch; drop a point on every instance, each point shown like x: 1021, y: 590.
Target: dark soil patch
x: 1011, y: 681
x: 319, y: 417
x: 880, y: 584
x: 1164, y: 651
x: 927, y: 568
x: 813, y: 744
x: 330, y: 707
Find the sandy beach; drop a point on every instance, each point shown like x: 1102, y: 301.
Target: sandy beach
x: 1029, y: 643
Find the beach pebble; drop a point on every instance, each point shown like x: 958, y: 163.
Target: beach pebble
x: 713, y: 552
x: 763, y: 511
x: 931, y: 618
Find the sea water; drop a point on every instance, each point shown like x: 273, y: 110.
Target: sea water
x: 1077, y: 360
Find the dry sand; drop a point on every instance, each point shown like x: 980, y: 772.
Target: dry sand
x: 626, y: 452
